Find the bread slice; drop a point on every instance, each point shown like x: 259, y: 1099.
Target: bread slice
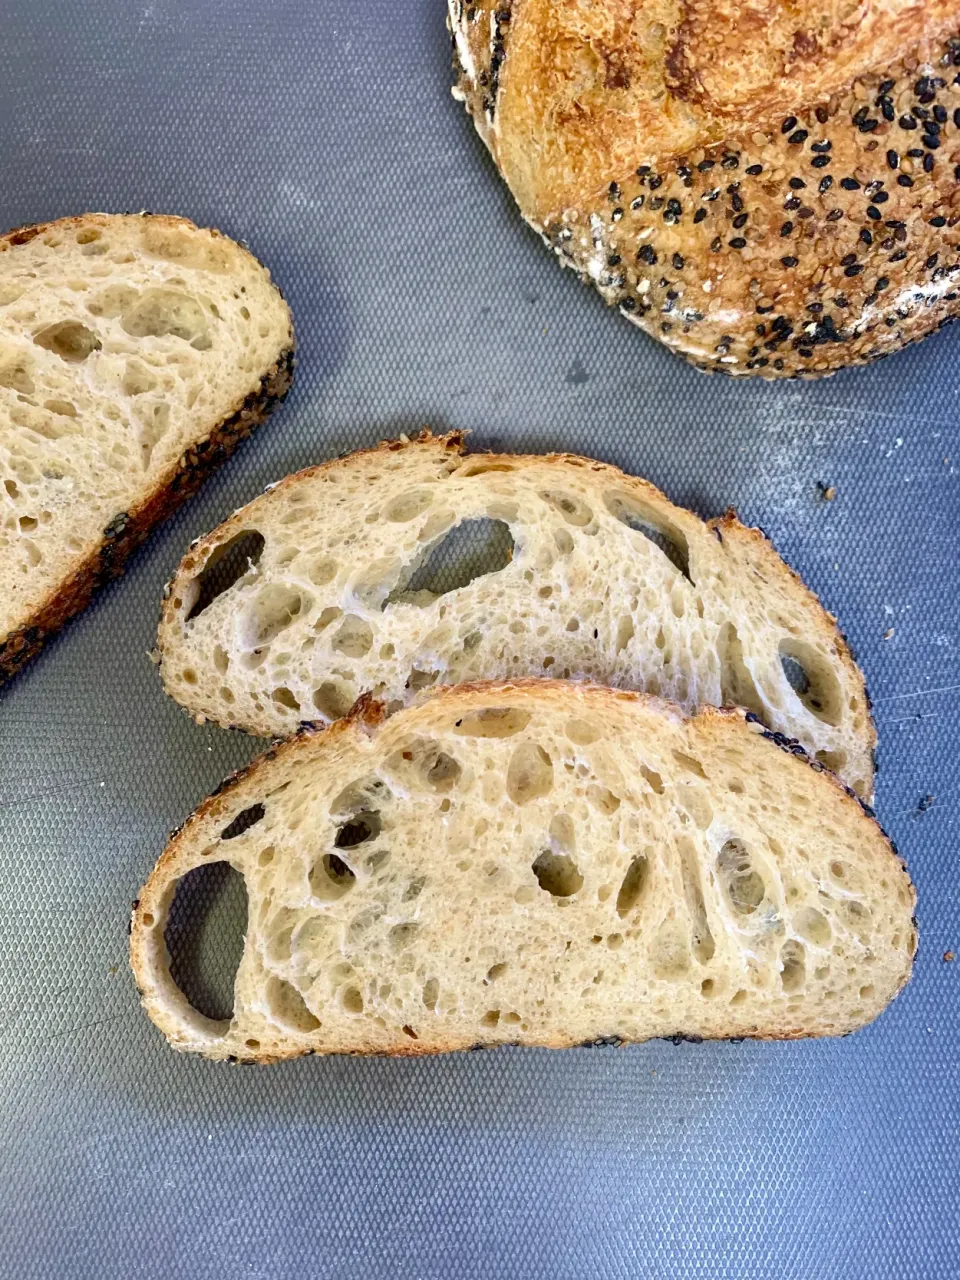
x: 535, y: 862
x: 767, y: 194
x: 320, y: 591
x: 135, y: 352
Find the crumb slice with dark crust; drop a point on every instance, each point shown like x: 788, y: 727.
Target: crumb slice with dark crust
x: 534, y: 862
x: 136, y: 351
x: 417, y: 563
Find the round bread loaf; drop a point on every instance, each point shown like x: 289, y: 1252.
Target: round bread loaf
x: 766, y: 188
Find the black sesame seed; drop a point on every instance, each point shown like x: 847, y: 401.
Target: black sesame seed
x: 834, y: 215
x: 700, y: 215
x: 873, y: 212
x: 822, y: 114
x: 614, y: 190
x: 928, y: 163
x: 637, y: 203
x: 656, y: 202
x: 938, y: 221
x: 792, y: 203
x: 797, y: 183
x: 886, y: 86
x: 821, y: 146
x: 778, y: 364
x: 740, y: 220
x: 643, y: 170
x: 738, y: 242
x: 956, y: 172
x: 786, y: 229
x: 647, y: 254
x: 893, y: 160
x: 805, y: 212
x: 628, y: 304
x: 678, y: 262
x: 956, y: 117
x: 613, y: 260
x: 881, y: 284
x: 930, y: 141
x: 881, y: 197
x: 825, y: 184
x: 861, y: 114
x: 866, y: 236
x: 761, y: 330
x: 616, y: 215
x: 932, y: 261
x: 850, y: 184
x: 730, y: 161
x: 853, y: 270
x: 737, y: 202
x: 848, y: 260
x: 705, y: 165
x: 940, y: 114
x: 898, y: 256
x: 815, y: 307
x: 907, y: 122
x: 655, y: 181
x: 840, y: 300
x: 798, y: 137
x: 762, y: 310
x: 788, y: 124
x: 820, y: 162
x: 886, y: 107
x: 754, y: 170
x: 789, y: 261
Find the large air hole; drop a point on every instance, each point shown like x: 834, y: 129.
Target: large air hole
x: 331, y: 878
x: 737, y: 688
x: 793, y: 965
x: 633, y: 885
x: 741, y: 882
x: 529, y: 774
x: 492, y: 722
x: 205, y: 932
x: 272, y: 611
x: 812, y: 679
x: 472, y: 549
x: 358, y: 829
x: 159, y: 313
x: 70, y: 340
x: 702, y: 938
x: 226, y: 566
x: 557, y: 874
x: 244, y: 820
x: 287, y: 1006
x: 643, y: 519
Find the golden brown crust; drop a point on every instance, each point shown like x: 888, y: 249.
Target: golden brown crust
x: 128, y: 529
x: 764, y: 188
x: 183, y: 852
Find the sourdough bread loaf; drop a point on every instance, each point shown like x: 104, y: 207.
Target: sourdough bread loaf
x: 766, y: 188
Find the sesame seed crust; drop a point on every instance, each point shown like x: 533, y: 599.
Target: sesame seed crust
x: 804, y: 240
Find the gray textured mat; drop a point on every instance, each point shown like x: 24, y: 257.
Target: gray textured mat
x: 324, y: 134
